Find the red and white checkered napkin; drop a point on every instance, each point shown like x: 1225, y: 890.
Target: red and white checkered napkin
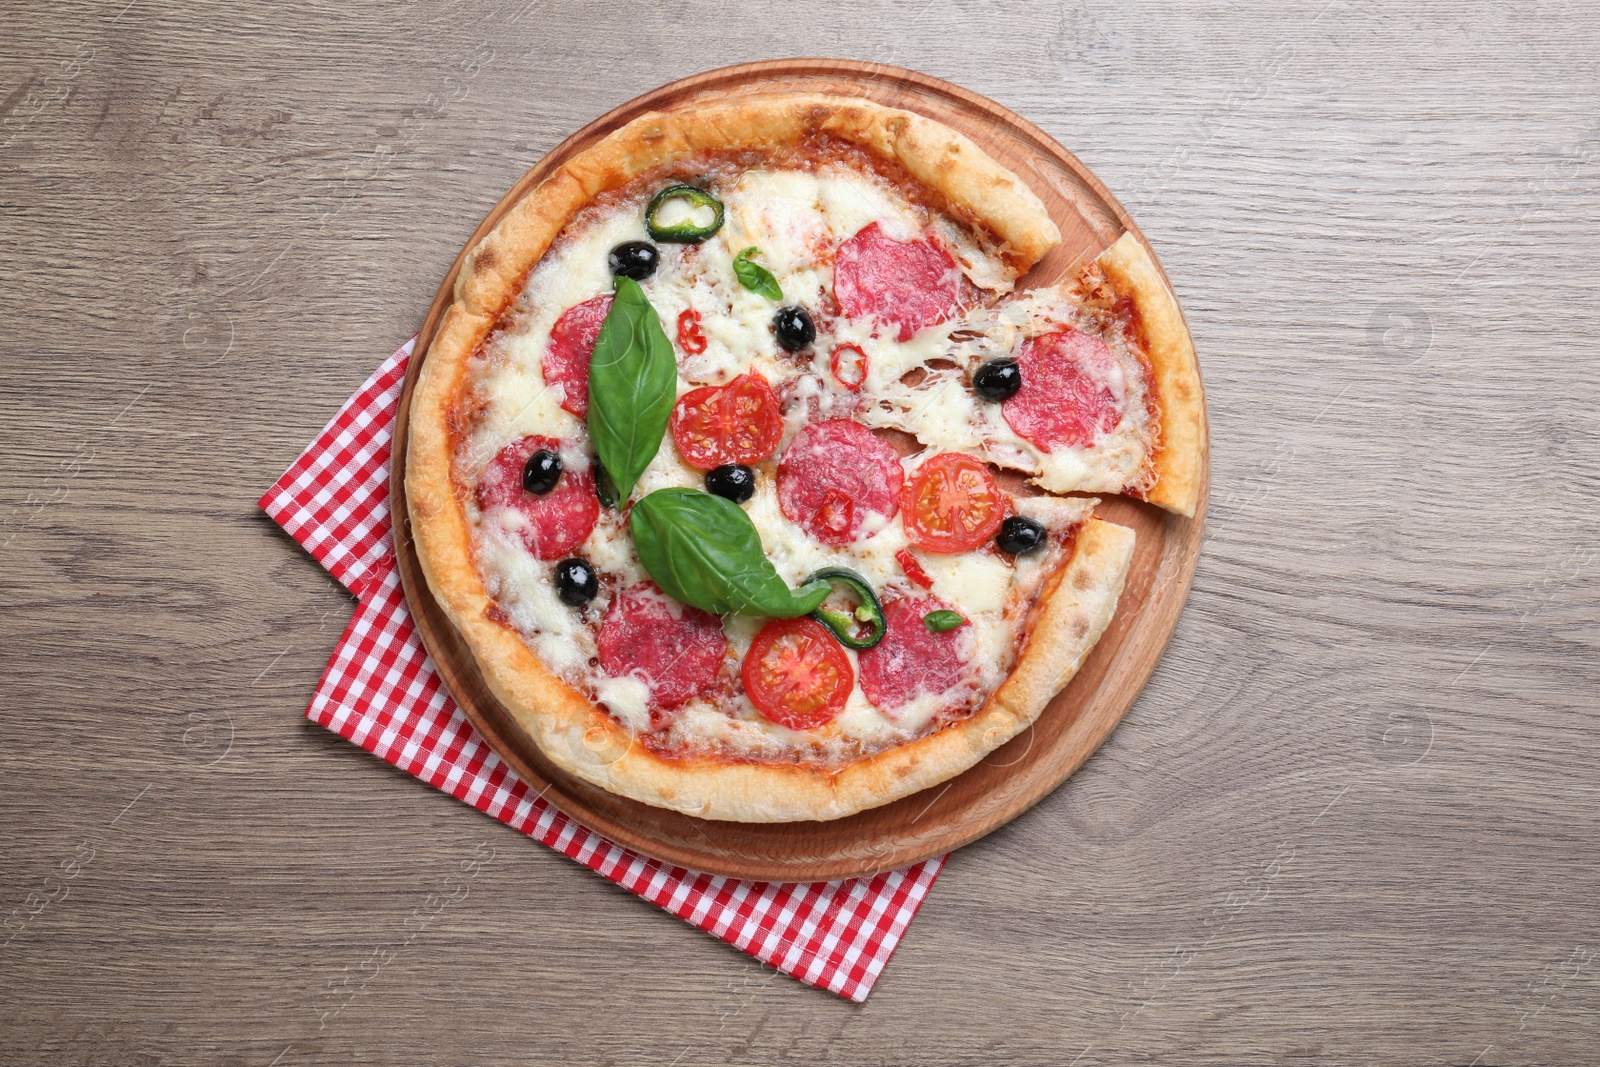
x: 380, y: 691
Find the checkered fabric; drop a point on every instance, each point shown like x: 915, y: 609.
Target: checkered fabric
x: 380, y: 691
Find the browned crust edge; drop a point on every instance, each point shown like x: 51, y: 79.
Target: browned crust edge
x: 1180, y: 460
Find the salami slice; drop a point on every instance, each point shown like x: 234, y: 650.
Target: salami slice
x: 677, y: 650
x: 1073, y: 391
x: 834, y: 476
x: 910, y: 661
x: 904, y: 284
x: 566, y: 356
x: 550, y: 524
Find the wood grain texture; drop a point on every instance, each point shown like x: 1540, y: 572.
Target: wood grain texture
x: 1352, y: 818
x: 1009, y: 780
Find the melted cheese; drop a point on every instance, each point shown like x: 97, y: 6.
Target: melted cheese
x: 795, y: 218
x: 627, y: 698
x: 941, y: 409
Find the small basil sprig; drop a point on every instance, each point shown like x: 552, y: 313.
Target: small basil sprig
x: 868, y: 612
x: 632, y: 385
x: 704, y: 551
x: 938, y: 622
x: 755, y: 277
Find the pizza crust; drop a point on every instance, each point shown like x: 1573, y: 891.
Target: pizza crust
x: 1180, y: 459
x: 578, y: 735
x: 1074, y: 609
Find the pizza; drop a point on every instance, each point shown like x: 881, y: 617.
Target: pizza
x: 755, y: 483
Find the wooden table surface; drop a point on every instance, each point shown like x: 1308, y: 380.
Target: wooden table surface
x: 1351, y: 820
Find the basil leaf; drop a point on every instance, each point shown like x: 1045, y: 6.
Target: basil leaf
x: 632, y: 385
x: 938, y: 622
x: 704, y: 551
x: 754, y: 277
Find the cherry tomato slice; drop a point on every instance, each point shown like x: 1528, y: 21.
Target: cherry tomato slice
x: 734, y: 423
x: 691, y: 338
x: 848, y: 372
x: 796, y: 674
x: 913, y: 569
x: 952, y: 503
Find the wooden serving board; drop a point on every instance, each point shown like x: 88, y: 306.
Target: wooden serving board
x: 1013, y: 778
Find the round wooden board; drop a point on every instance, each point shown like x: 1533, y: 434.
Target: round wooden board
x: 1013, y: 778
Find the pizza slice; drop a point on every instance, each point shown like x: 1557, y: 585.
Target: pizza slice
x: 710, y: 466
x: 1088, y: 386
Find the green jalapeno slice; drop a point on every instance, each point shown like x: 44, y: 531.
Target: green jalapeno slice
x: 845, y: 625
x: 688, y: 230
